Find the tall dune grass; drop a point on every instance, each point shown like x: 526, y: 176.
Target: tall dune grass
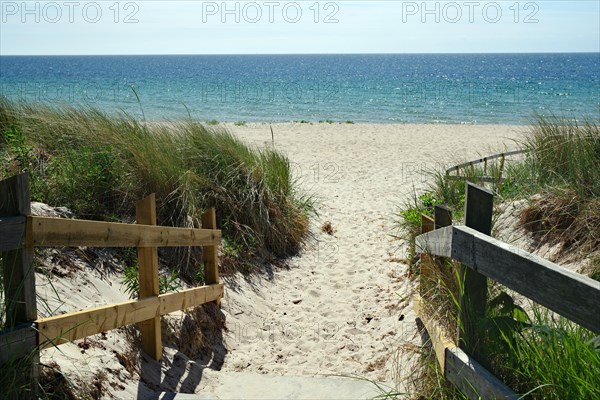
x: 564, y: 153
x: 100, y: 165
x: 563, y: 166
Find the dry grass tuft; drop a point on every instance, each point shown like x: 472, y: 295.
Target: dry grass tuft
x: 328, y: 228
x: 54, y: 385
x: 563, y: 218
x: 201, y: 335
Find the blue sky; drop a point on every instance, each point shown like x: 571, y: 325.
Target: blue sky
x: 268, y: 27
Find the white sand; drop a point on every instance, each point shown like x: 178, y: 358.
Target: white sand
x: 353, y: 314
x: 342, y: 307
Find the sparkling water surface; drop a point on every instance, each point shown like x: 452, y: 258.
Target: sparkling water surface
x: 376, y: 88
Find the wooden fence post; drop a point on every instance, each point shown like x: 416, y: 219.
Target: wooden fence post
x: 18, y: 269
x: 210, y: 254
x: 148, y: 279
x: 479, y: 207
x: 427, y: 224
x: 442, y: 216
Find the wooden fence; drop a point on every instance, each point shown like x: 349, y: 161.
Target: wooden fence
x: 485, y: 177
x: 20, y: 232
x: 565, y: 292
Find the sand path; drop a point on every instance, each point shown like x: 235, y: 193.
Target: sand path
x: 342, y: 307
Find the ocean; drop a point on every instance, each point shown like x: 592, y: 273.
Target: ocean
x: 373, y: 88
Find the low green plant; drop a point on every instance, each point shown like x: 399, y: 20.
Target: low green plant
x: 232, y: 248
x: 552, y: 358
x: 409, y: 221
x: 19, y: 150
x: 131, y: 280
x: 535, y: 353
x: 199, y: 278
x: 503, y: 319
x: 168, y: 282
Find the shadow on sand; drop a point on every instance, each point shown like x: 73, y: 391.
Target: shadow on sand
x: 182, y: 373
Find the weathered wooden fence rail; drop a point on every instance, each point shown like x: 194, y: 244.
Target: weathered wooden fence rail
x: 484, y: 160
x: 572, y: 295
x: 20, y: 232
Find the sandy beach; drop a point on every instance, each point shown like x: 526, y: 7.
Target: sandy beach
x: 341, y: 306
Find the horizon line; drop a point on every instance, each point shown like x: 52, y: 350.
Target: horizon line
x: 295, y: 54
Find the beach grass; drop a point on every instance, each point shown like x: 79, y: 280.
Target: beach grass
x: 553, y: 358
x: 542, y: 355
x: 99, y: 166
x: 563, y: 168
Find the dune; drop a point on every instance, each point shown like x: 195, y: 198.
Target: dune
x: 341, y: 306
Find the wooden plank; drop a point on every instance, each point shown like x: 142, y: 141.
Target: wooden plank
x: 484, y: 159
x: 479, y: 209
x: 210, y: 253
x: 18, y: 342
x: 572, y: 295
x: 74, y: 233
x: 463, y: 371
x: 429, y: 276
x: 68, y: 327
x: 442, y: 216
x: 472, y: 379
x: 427, y: 223
x: 60, y: 329
x: 148, y: 279
x: 483, y: 178
x: 426, y: 262
x: 440, y: 341
x: 18, y: 270
x: 12, y: 232
x: 190, y: 298
x: 437, y: 242
x: 14, y: 196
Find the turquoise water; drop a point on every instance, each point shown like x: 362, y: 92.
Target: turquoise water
x: 382, y: 88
